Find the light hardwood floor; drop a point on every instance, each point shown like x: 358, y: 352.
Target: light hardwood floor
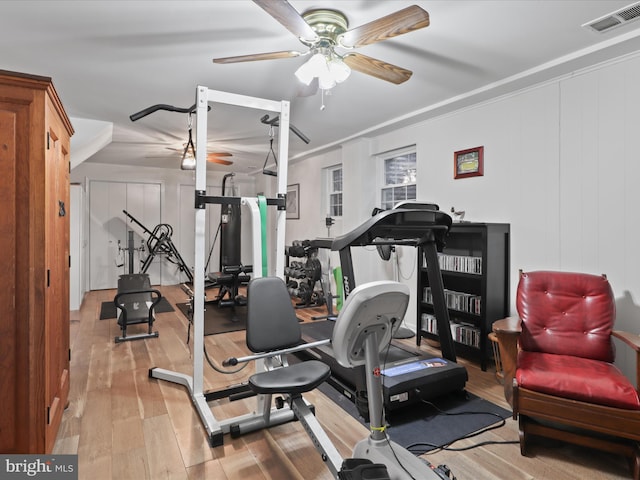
x: 124, y: 425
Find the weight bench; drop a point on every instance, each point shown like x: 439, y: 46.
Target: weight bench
x: 228, y: 281
x: 135, y: 301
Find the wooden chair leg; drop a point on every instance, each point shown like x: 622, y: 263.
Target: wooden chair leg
x: 522, y: 426
x: 634, y: 462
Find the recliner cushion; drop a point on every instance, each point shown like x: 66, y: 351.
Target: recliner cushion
x: 577, y: 378
x: 566, y: 314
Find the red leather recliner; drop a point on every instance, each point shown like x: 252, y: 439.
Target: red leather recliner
x: 558, y: 365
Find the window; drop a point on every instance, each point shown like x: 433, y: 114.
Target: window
x: 399, y: 179
x: 334, y: 190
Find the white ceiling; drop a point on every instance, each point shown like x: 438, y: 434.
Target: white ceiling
x: 110, y: 59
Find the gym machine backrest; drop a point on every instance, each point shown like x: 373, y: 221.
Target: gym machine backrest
x: 136, y: 301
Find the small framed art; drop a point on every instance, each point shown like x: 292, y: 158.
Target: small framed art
x: 293, y: 201
x: 468, y: 163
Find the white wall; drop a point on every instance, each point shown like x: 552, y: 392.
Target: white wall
x: 560, y: 165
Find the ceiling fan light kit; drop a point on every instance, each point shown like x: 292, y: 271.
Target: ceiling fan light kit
x: 324, y: 30
x: 188, y: 162
x: 329, y: 69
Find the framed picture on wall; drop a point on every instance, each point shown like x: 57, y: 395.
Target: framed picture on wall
x: 293, y: 201
x: 468, y: 163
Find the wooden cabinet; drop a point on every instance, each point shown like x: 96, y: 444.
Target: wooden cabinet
x: 475, y: 274
x: 34, y: 243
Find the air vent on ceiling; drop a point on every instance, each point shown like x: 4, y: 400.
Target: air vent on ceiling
x: 615, y: 19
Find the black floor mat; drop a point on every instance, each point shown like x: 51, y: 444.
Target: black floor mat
x: 422, y: 427
x: 220, y: 319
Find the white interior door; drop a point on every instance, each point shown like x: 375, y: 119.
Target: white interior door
x: 108, y: 237
x: 143, y: 203
x: 76, y: 248
x: 107, y: 233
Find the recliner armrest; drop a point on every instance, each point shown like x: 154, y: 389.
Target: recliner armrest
x: 633, y: 341
x: 630, y: 339
x: 508, y: 331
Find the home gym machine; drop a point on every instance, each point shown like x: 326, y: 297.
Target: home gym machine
x: 257, y: 208
x: 159, y: 243
x: 363, y: 330
x: 232, y: 272
x: 409, y: 376
x: 135, y: 302
x: 362, y: 333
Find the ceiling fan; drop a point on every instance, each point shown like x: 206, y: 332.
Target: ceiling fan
x: 326, y: 34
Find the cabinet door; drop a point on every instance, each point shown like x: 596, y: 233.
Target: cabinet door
x: 12, y: 367
x: 57, y: 276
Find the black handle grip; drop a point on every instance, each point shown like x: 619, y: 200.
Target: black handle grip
x: 163, y: 106
x: 230, y: 362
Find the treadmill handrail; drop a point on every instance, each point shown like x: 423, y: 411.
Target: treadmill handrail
x: 397, y: 224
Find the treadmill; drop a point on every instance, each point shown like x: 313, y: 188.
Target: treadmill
x: 408, y: 376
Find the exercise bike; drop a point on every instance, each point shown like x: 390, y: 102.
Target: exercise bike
x: 365, y: 325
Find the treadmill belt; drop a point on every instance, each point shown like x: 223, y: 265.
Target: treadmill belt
x: 409, y: 379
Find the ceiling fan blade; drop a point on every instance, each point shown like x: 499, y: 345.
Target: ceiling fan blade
x: 213, y: 158
x: 289, y: 17
x: 377, y: 68
x: 219, y: 154
x: 398, y: 23
x: 259, y: 56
